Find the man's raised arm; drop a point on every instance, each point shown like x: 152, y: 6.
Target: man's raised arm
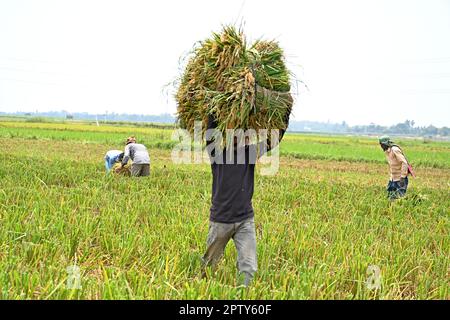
x: 266, y: 146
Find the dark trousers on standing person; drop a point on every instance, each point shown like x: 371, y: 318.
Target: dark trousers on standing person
x: 395, y: 191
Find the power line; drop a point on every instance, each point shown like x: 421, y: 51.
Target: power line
x: 429, y: 60
x: 240, y: 11
x: 30, y: 82
x: 39, y: 71
x: 32, y: 60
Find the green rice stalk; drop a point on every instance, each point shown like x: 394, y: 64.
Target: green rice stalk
x: 243, y: 87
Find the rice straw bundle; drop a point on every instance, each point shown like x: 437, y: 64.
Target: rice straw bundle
x: 243, y: 87
x: 124, y: 171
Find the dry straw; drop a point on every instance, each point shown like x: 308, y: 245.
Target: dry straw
x: 244, y: 87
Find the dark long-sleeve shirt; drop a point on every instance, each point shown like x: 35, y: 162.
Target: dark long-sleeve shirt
x: 233, y: 175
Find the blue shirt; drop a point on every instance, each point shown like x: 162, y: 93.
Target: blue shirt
x: 110, y: 158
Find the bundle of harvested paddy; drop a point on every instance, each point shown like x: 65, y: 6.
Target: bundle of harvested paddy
x: 242, y: 87
x: 123, y: 171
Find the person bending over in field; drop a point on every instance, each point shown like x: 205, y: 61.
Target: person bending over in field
x: 231, y: 212
x: 111, y: 157
x: 139, y: 155
x: 398, y: 166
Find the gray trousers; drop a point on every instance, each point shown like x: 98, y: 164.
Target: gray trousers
x: 244, y: 237
x: 140, y: 170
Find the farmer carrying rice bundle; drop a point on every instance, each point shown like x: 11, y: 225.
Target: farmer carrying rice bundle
x: 228, y: 85
x: 231, y: 212
x: 399, y: 168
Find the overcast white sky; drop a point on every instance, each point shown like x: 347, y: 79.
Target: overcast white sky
x: 363, y: 61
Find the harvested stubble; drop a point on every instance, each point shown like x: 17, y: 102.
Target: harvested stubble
x: 243, y: 87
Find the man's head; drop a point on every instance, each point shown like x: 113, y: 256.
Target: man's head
x: 385, y: 142
x: 131, y: 139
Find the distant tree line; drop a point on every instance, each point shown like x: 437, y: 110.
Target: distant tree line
x: 104, y: 117
x: 405, y: 128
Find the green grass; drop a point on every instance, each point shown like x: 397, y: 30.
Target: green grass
x: 313, y: 147
x: 87, y: 133
x: 419, y: 152
x: 320, y: 223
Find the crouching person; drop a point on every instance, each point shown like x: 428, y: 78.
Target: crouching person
x: 111, y: 158
x: 139, y: 155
